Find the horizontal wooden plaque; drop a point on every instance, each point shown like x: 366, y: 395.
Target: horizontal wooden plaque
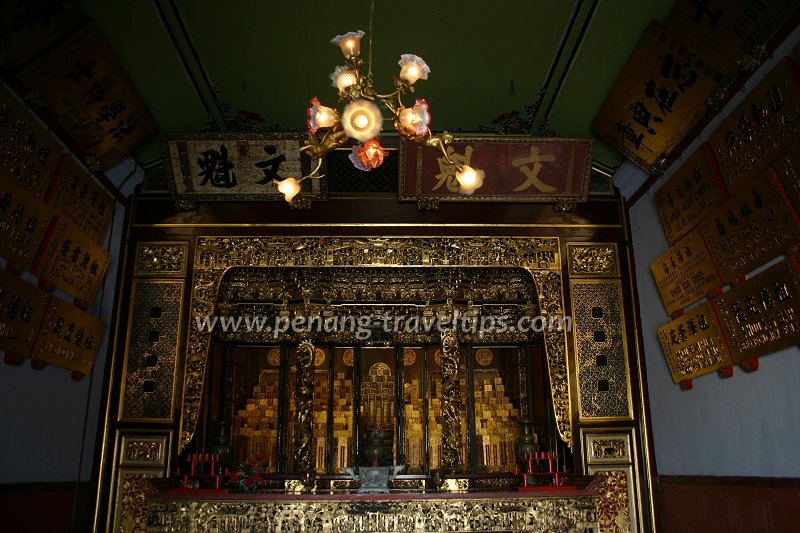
x: 24, y: 220
x: 763, y: 126
x: 90, y: 95
x: 659, y: 95
x: 28, y: 153
x: 69, y: 337
x: 22, y: 309
x: 693, y: 344
x: 762, y: 315
x: 686, y: 197
x: 751, y: 228
x: 685, y: 273
x: 237, y: 166
x: 72, y: 260
x: 518, y: 169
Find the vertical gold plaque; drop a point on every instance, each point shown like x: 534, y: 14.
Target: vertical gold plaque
x: 22, y: 308
x: 79, y: 198
x: 24, y: 220
x: 28, y: 154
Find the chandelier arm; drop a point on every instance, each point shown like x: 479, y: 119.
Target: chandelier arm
x: 313, y: 174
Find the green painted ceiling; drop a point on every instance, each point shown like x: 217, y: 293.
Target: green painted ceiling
x: 200, y: 63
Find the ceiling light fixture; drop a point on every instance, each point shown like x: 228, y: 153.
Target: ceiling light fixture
x: 362, y: 120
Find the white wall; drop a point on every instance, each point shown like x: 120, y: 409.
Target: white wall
x: 747, y: 425
x: 49, y: 423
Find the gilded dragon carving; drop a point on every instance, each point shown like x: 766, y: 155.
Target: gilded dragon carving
x: 304, y: 398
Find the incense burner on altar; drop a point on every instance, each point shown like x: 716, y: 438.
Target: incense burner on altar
x: 374, y: 479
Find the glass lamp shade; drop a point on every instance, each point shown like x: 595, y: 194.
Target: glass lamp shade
x: 413, y: 68
x: 349, y: 43
x: 370, y: 154
x: 416, y: 118
x: 343, y: 77
x: 362, y: 120
x: 469, y: 179
x: 289, y: 187
x: 320, y: 116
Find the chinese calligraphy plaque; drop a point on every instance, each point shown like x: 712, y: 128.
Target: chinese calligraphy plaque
x: 79, y: 198
x: 21, y: 311
x: 658, y: 96
x: 763, y: 126
x: 90, y: 96
x: 519, y: 169
x: 762, y: 315
x: 685, y: 199
x: 685, y: 273
x: 725, y: 31
x: 69, y: 337
x: 23, y: 222
x: 28, y: 154
x: 73, y: 261
x: 752, y: 227
x: 693, y: 344
x: 237, y: 166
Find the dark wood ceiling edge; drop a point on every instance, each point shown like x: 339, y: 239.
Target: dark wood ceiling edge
x: 547, y: 95
x: 193, y: 66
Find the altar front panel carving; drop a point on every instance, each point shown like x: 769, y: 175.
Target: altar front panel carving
x: 479, y: 513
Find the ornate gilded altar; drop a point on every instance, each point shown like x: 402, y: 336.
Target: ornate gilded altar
x: 444, y: 404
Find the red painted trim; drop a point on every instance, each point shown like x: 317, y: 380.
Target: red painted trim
x: 712, y: 159
x: 721, y: 330
x: 776, y: 181
x: 51, y: 189
x: 48, y: 236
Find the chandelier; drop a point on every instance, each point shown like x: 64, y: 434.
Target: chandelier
x: 361, y: 118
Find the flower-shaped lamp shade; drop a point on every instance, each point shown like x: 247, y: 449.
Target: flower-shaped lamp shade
x: 370, y: 154
x: 349, y: 43
x: 469, y: 179
x: 289, y: 187
x: 416, y: 118
x: 320, y: 116
x: 362, y: 120
x: 343, y: 77
x: 413, y: 68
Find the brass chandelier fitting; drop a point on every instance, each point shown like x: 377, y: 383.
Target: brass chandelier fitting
x: 362, y: 119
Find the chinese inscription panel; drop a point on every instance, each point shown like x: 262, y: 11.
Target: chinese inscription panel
x: 237, y: 166
x: 658, y: 96
x: 517, y: 168
x: 684, y: 200
x: 762, y: 315
x: 693, y: 344
x: 685, y: 273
